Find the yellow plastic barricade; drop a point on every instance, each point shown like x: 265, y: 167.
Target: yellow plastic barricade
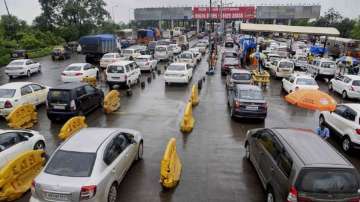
x: 16, y: 177
x: 23, y: 116
x: 170, y: 169
x: 260, y: 78
x: 112, y: 101
x: 90, y: 80
x: 72, y: 126
x: 194, y: 96
x: 188, y: 121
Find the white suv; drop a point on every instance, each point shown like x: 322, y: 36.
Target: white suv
x: 298, y: 82
x: 162, y: 53
x: 178, y: 73
x: 348, y: 86
x: 122, y: 73
x: 345, y: 121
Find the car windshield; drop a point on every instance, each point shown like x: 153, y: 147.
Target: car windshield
x: 231, y: 61
x: 16, y: 63
x: 286, y: 65
x: 329, y: 181
x: 186, y: 56
x: 128, y: 51
x: 251, y: 94
x: 73, y: 68
x: 230, y: 55
x: 356, y: 83
x: 328, y: 65
x: 305, y: 81
x: 59, y: 96
x: 141, y: 60
x: 241, y: 76
x: 201, y: 45
x: 71, y: 164
x: 7, y: 93
x: 115, y: 69
x: 176, y: 68
x: 161, y: 49
x: 229, y: 45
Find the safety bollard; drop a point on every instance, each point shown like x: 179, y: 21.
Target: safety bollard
x: 71, y: 127
x: 188, y: 121
x: 200, y: 82
x: 170, y: 168
x: 194, y: 96
x: 112, y: 101
x: 17, y: 175
x: 23, y: 116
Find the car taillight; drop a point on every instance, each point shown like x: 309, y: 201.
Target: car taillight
x: 352, y: 88
x: 87, y: 192
x: 292, y: 197
x: 354, y: 200
x: 78, y: 74
x: 72, y: 105
x: 63, y: 74
x: 358, y: 131
x: 237, y: 104
x: 8, y: 104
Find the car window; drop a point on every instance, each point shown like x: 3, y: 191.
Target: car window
x: 305, y: 81
x: 269, y: 143
x: 7, y: 93
x: 114, y: 148
x: 112, y: 69
x: 241, y: 76
x: 26, y: 90
x: 285, y: 163
x: 251, y: 94
x: 87, y: 67
x: 59, y: 96
x: 80, y: 92
x: 340, y: 78
x: 8, y: 140
x: 28, y: 62
x: 350, y: 114
x: 36, y: 87
x: 89, y: 89
x: 127, y: 68
x: 346, y: 79
x: 356, y: 83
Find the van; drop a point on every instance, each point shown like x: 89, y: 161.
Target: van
x: 125, y: 73
x: 296, y: 165
x: 163, y: 53
x: 72, y: 99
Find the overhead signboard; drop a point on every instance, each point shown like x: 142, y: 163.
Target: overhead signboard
x: 247, y: 12
x: 287, y: 12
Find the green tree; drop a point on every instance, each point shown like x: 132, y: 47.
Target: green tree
x: 355, y: 32
x: 10, y: 25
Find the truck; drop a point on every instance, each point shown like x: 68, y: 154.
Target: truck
x: 95, y: 46
x: 144, y: 36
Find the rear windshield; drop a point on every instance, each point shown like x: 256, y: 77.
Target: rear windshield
x: 73, y: 68
x: 241, y: 76
x: 229, y: 45
x: 128, y: 51
x: 7, y: 93
x: 59, y: 96
x: 186, y: 56
x: 302, y: 58
x: 201, y: 45
x: 16, y: 63
x: 141, y: 60
x: 115, y: 69
x: 71, y: 164
x: 328, y: 181
x: 108, y: 56
x: 160, y: 49
x: 286, y: 65
x: 356, y: 83
x: 231, y: 61
x: 306, y: 82
x: 328, y: 65
x: 176, y: 68
x: 251, y: 95
x: 229, y: 55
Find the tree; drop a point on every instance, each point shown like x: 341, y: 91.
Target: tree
x: 355, y: 32
x: 345, y: 27
x: 10, y: 25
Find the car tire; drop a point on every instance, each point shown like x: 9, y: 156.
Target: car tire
x: 344, y: 95
x: 247, y: 151
x: 330, y: 87
x: 140, y: 152
x: 270, y: 197
x: 39, y: 145
x: 11, y: 77
x: 346, y: 144
x: 39, y: 69
x: 113, y: 192
x: 28, y: 74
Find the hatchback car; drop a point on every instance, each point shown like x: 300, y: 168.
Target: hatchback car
x: 346, y: 85
x: 109, y: 58
x: 72, y: 99
x: 296, y: 165
x: 178, y: 73
x: 247, y: 101
x: 16, y: 142
x: 146, y: 63
x: 17, y: 93
x: 88, y: 173
x: 77, y: 71
x: 238, y: 76
x: 22, y: 67
x: 188, y: 57
x: 228, y: 63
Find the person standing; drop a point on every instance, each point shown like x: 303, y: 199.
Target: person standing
x: 323, y: 131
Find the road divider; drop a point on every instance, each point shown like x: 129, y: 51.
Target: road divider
x: 194, y: 96
x: 71, y: 127
x: 90, y: 80
x: 170, y: 168
x: 188, y: 121
x: 16, y: 177
x: 23, y: 116
x: 112, y: 101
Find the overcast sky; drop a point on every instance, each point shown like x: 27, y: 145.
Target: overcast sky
x: 123, y: 9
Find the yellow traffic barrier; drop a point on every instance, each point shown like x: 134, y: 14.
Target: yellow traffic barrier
x: 194, y: 96
x: 23, y: 116
x: 170, y: 169
x: 90, y: 80
x: 112, y: 101
x: 16, y: 177
x: 260, y: 78
x: 72, y: 126
x: 188, y: 121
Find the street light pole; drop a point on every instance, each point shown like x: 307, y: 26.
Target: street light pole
x: 10, y: 25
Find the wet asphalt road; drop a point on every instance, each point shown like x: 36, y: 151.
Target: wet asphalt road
x: 214, y: 168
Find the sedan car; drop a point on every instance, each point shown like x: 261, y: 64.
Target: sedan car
x: 298, y: 82
x: 17, y: 93
x: 88, y: 173
x: 229, y: 54
x: 16, y: 142
x: 197, y: 54
x: 188, y: 57
x: 247, y: 101
x: 178, y: 73
x: 146, y: 63
x: 23, y: 67
x: 202, y: 47
x: 109, y: 58
x: 347, y: 85
x: 176, y: 49
x: 77, y: 71
x: 228, y: 63
x: 238, y: 76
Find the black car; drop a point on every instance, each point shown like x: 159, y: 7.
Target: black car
x: 247, y: 101
x: 72, y: 99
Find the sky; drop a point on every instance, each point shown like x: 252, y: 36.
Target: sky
x: 122, y: 10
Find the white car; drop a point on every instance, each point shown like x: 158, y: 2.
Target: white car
x: 301, y: 61
x: 178, y: 73
x: 77, y: 71
x: 126, y: 73
x: 345, y: 121
x: 197, y: 54
x: 163, y: 52
x: 298, y: 82
x: 17, y: 93
x: 347, y: 85
x: 322, y: 68
x: 270, y: 58
x: 130, y: 53
x: 23, y: 67
x: 176, y: 49
x: 202, y: 47
x: 16, y: 142
x: 282, y: 68
x: 188, y: 57
x: 146, y: 63
x: 109, y: 58
x: 89, y: 173
x: 204, y: 41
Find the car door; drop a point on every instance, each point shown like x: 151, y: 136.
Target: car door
x: 346, y: 123
x: 189, y: 70
x: 28, y: 67
x: 336, y: 118
x: 84, y: 103
x: 336, y: 83
x: 12, y: 144
x: 40, y: 93
x: 27, y: 95
x: 93, y: 97
x: 281, y: 174
x: 344, y: 86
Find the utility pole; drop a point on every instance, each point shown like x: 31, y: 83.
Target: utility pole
x: 210, y: 27
x: 10, y: 25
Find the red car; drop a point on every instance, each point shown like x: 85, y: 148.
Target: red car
x: 228, y: 63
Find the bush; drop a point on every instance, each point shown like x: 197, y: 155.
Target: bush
x: 29, y: 41
x: 40, y: 52
x: 4, y: 60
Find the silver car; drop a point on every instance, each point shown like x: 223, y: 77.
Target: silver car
x: 89, y: 166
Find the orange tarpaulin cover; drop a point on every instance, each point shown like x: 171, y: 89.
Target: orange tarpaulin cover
x: 312, y: 99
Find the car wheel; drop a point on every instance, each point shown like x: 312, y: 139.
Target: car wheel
x: 140, y: 151
x: 247, y: 151
x: 344, y: 95
x: 28, y: 74
x: 39, y: 145
x: 330, y: 87
x: 112, y: 196
x: 270, y: 195
x: 39, y: 69
x: 346, y: 144
x: 11, y: 77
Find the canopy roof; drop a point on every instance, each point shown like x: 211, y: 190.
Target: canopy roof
x: 323, y: 31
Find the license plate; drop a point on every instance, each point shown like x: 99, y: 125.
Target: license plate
x: 56, y: 196
x: 252, y: 108
x: 59, y: 107
x: 115, y: 77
